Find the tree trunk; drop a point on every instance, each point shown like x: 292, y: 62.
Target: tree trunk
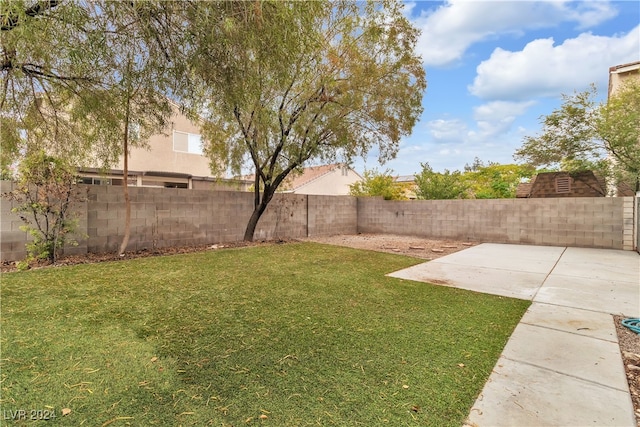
x: 127, y: 215
x: 251, y: 226
x: 259, y: 207
x: 125, y: 189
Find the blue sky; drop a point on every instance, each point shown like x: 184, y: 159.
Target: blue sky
x: 494, y: 67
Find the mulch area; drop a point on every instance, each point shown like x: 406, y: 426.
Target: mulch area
x: 629, y: 343
x: 92, y: 258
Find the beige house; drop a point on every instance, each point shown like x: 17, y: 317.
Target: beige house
x: 617, y: 76
x: 620, y: 73
x: 328, y: 180
x: 174, y: 158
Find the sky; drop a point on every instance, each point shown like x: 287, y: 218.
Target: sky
x: 495, y: 67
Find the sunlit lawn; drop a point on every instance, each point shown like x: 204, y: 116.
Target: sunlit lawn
x: 284, y: 335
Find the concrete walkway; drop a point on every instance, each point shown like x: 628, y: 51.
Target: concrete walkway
x: 562, y: 364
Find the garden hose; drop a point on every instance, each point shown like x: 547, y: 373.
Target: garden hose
x: 633, y: 324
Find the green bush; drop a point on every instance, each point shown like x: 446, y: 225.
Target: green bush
x: 46, y: 192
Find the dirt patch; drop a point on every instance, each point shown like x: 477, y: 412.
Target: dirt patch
x: 418, y: 247
x: 406, y: 245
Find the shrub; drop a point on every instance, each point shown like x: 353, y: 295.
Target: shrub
x: 45, y: 194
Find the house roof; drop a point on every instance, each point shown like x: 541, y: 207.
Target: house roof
x: 309, y: 174
x: 623, y: 68
x: 543, y: 185
x: 405, y: 178
x: 523, y: 190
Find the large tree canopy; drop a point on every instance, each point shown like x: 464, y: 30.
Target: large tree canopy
x: 568, y: 134
x: 300, y: 81
x: 45, y: 59
x: 583, y: 134
x: 62, y: 62
x: 87, y: 80
x: 618, y: 125
x: 278, y: 83
x: 378, y: 184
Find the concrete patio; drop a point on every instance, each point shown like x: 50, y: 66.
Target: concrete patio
x: 562, y: 364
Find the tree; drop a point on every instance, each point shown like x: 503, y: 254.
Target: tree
x: 376, y: 183
x: 432, y: 185
x: 300, y: 81
x: 567, y: 134
x: 618, y: 125
x: 47, y: 55
x: 493, y: 180
x: 134, y: 101
x: 583, y: 135
x: 46, y: 193
x: 90, y: 79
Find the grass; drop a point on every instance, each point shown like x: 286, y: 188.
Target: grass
x: 285, y: 335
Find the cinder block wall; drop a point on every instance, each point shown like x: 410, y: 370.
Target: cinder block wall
x: 331, y: 215
x: 13, y: 240
x: 162, y: 217
x: 589, y: 222
x: 168, y: 217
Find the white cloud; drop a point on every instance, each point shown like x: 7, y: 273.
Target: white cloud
x: 590, y: 13
x: 495, y: 118
x: 452, y: 28
x: 447, y: 130
x: 545, y: 69
x: 497, y: 110
x: 452, y: 155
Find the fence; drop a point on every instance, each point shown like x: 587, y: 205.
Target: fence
x: 163, y: 217
x: 601, y: 222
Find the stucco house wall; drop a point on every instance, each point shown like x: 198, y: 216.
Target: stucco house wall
x: 173, y: 157
x: 172, y: 150
x: 620, y: 73
x: 333, y: 183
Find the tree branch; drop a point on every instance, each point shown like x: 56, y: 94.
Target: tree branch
x: 34, y: 70
x: 13, y: 20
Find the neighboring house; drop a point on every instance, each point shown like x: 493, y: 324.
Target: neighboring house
x: 620, y: 73
x: 562, y: 184
x: 328, y: 180
x: 173, y: 159
x: 408, y: 184
x: 617, y: 76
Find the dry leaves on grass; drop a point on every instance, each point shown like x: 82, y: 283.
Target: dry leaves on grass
x: 92, y: 258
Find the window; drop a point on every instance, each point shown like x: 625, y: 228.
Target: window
x: 187, y: 142
x: 563, y: 184
x: 95, y: 181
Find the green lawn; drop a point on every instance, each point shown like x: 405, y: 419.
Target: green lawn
x: 284, y: 335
